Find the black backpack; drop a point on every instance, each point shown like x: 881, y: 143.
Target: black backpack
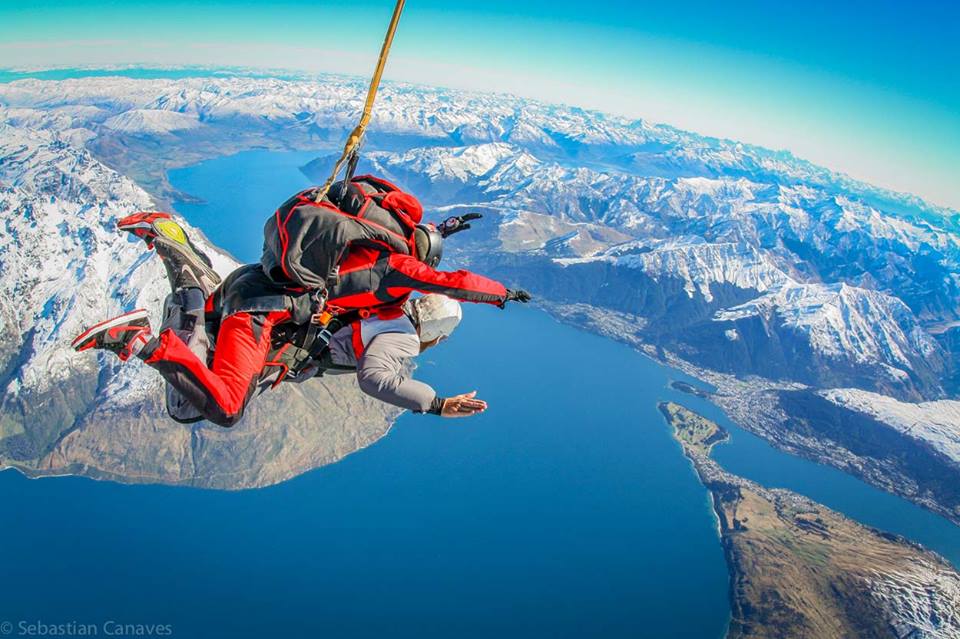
x: 304, y: 240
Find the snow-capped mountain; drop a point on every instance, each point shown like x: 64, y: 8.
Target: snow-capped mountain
x: 742, y: 259
x: 825, y: 236
x: 151, y: 121
x: 735, y: 231
x: 700, y: 264
x: 60, y: 258
x: 935, y: 422
x: 834, y: 280
x: 732, y: 257
x: 457, y: 117
x: 849, y: 325
x: 64, y: 267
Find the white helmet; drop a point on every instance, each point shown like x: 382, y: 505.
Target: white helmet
x: 436, y: 316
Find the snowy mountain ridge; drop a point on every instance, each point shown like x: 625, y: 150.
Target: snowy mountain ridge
x: 583, y: 187
x: 147, y: 121
x: 847, y: 321
x: 936, y: 422
x: 63, y: 263
x: 446, y: 115
x: 702, y: 252
x: 787, y: 247
x: 65, y: 267
x: 838, y: 274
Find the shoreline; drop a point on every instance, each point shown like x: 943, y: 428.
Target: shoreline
x: 798, y: 568
x: 748, y: 404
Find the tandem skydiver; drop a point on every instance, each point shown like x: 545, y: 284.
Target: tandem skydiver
x: 330, y: 294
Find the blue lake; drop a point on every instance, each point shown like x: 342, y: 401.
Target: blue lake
x: 566, y: 510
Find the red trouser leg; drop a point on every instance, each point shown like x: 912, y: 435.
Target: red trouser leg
x: 221, y: 392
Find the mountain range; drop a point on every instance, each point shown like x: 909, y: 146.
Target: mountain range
x: 758, y: 271
x: 64, y: 267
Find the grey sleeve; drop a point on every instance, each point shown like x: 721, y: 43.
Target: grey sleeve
x: 380, y: 372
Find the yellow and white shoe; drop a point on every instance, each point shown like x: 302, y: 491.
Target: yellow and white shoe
x: 187, y: 266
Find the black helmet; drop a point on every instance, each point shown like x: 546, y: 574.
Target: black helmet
x: 429, y: 244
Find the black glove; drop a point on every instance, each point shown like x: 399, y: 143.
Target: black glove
x: 456, y: 224
x: 518, y: 295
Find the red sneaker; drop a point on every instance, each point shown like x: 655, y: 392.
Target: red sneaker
x: 123, y: 335
x: 148, y: 225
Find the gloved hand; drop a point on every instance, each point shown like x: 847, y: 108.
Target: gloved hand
x: 456, y: 224
x: 518, y: 295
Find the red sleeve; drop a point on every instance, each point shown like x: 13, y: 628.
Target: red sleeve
x: 407, y: 273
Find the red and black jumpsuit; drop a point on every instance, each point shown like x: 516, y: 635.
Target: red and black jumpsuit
x: 383, y: 280
x: 369, y: 278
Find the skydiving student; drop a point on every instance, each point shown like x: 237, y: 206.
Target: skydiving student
x: 263, y: 316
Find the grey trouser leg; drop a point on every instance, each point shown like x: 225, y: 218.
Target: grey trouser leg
x: 183, y: 313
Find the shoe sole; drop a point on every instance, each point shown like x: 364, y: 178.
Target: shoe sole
x: 147, y: 225
x: 78, y: 343
x: 161, y: 227
x: 156, y: 225
x: 141, y: 220
x: 151, y: 226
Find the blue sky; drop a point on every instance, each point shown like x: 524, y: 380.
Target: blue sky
x: 868, y: 88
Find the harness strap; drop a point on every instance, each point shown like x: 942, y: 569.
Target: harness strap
x: 316, y: 346
x: 311, y: 336
x: 292, y: 355
x: 353, y: 141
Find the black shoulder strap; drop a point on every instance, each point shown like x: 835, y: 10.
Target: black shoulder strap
x: 317, y: 339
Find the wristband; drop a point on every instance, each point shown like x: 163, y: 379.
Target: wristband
x: 436, y: 406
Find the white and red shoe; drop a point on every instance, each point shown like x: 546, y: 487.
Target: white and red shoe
x: 124, y: 335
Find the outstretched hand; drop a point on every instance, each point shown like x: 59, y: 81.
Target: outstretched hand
x: 457, y: 223
x: 463, y: 405
x: 518, y: 295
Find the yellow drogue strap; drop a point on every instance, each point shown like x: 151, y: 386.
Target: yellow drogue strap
x: 353, y: 140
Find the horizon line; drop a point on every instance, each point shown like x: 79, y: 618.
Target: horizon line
x: 268, y: 73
